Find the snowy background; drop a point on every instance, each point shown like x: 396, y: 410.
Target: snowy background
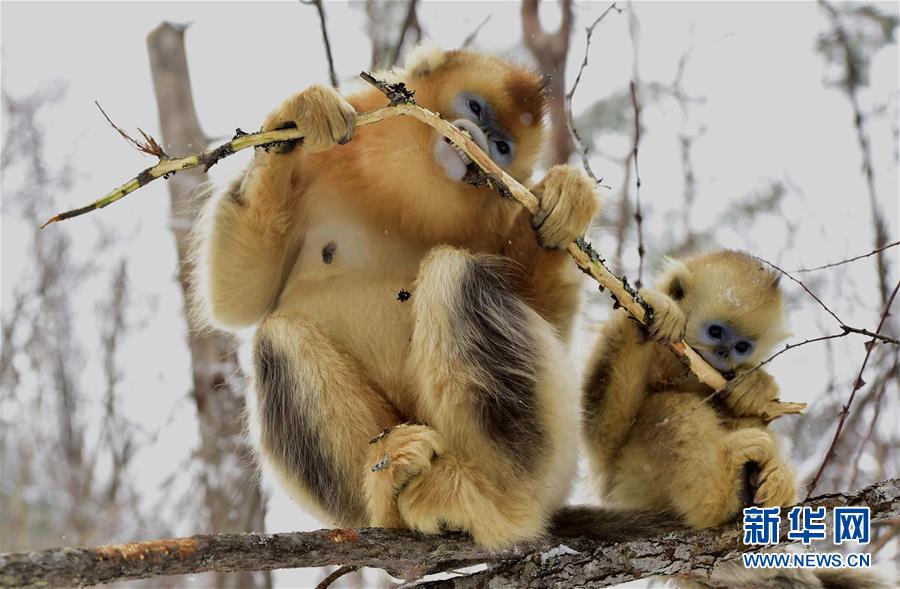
x: 752, y: 146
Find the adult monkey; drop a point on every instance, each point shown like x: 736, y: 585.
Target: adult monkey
x: 313, y: 246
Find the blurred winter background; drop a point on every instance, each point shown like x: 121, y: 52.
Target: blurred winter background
x: 768, y: 127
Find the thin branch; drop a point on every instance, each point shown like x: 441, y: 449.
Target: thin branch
x: 797, y: 345
x: 321, y: 9
x: 467, y: 42
x: 638, y: 215
x: 576, y: 138
x: 851, y: 86
x: 858, y: 383
x: 411, y: 22
x: 149, y: 146
x: 491, y: 175
x: 408, y: 555
x: 804, y: 287
x: 337, y: 574
x: 843, y: 326
x: 832, y: 265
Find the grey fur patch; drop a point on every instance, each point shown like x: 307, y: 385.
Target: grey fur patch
x: 595, y: 388
x: 497, y: 340
x: 328, y: 252
x: 293, y: 439
x: 610, y: 524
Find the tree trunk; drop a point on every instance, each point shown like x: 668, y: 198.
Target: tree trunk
x: 231, y: 496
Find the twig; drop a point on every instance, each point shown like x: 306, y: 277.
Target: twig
x: 638, y: 216
x: 471, y: 38
x: 410, y: 22
x: 321, y: 9
x: 581, y: 147
x: 832, y: 265
x: 804, y: 287
x: 846, y: 328
x: 851, y: 86
x: 337, y: 574
x: 588, y: 260
x: 407, y: 554
x: 148, y: 146
x: 858, y: 383
x: 797, y: 345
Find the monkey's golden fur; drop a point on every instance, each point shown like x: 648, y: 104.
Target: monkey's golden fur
x: 652, y: 440
x: 470, y: 376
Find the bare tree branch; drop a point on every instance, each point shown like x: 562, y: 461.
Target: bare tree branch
x: 321, y: 10
x: 852, y: 82
x: 582, y: 149
x: 638, y: 215
x: 337, y: 574
x: 847, y: 261
x: 467, y: 42
x: 410, y: 23
x: 858, y: 383
x: 551, y: 562
x: 551, y: 50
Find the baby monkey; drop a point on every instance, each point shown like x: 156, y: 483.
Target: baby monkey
x: 653, y: 439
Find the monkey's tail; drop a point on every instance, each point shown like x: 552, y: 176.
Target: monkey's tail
x: 612, y: 525
x: 849, y: 579
x: 604, y: 524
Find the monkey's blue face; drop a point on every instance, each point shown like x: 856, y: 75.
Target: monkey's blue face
x: 478, y: 119
x: 723, y: 346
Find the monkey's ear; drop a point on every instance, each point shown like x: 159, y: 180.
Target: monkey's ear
x: 424, y: 59
x: 677, y: 281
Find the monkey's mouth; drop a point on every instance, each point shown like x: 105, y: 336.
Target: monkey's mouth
x: 719, y: 364
x: 453, y: 160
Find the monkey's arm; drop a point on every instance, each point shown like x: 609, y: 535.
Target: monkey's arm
x: 750, y: 393
x: 246, y: 242
x: 252, y: 228
x: 615, y: 387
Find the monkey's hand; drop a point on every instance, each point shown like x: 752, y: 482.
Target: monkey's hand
x: 568, y: 202
x: 667, y: 325
x: 750, y: 392
x: 320, y: 113
x: 775, y: 484
x: 404, y: 452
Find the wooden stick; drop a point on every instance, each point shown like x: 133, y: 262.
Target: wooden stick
x: 491, y: 174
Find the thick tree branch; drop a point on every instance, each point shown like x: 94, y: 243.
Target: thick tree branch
x: 588, y: 260
x: 552, y: 562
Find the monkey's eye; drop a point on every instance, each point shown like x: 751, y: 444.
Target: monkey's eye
x: 715, y: 331
x: 742, y: 347
x: 502, y: 147
x: 475, y: 108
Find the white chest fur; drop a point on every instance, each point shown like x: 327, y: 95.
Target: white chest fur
x: 337, y: 244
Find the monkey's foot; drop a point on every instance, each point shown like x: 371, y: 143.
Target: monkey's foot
x: 396, y: 457
x: 776, y: 485
x: 668, y: 318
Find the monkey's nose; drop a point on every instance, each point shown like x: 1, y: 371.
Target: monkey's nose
x: 722, y: 353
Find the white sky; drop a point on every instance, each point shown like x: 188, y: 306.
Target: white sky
x: 766, y: 112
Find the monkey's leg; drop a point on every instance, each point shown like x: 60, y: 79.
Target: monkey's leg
x: 315, y: 416
x: 496, y: 394
x: 678, y: 439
